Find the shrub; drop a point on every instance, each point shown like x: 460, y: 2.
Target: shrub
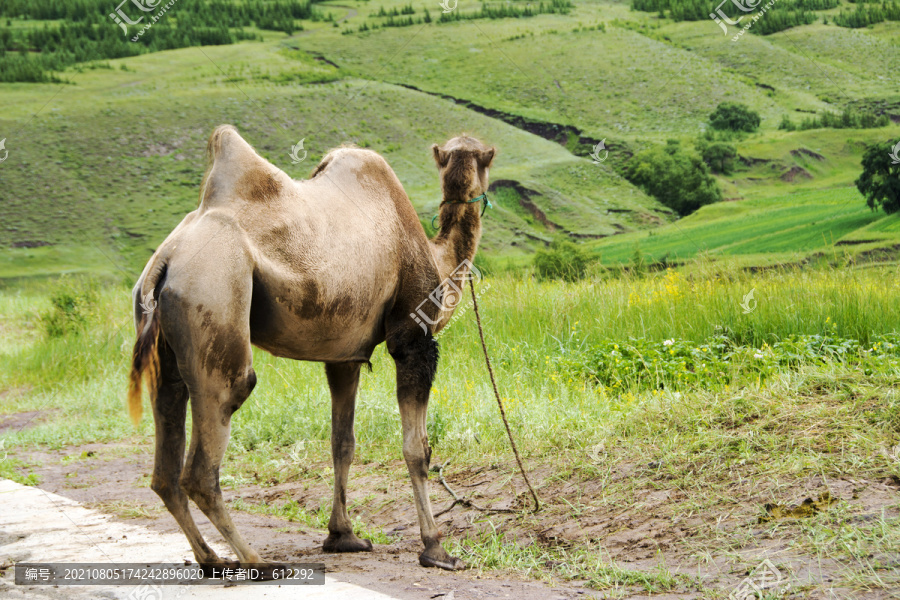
x: 865, y: 15
x: 563, y: 260
x: 70, y: 306
x: 677, y: 178
x: 786, y: 124
x: 847, y: 119
x: 732, y: 116
x: 719, y: 361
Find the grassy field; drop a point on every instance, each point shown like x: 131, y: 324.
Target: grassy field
x: 674, y: 419
x: 832, y: 224
x: 719, y: 404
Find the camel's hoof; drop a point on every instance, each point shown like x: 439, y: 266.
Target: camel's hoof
x: 438, y: 557
x: 346, y: 542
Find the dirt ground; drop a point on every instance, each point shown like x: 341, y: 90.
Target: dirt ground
x: 714, y: 551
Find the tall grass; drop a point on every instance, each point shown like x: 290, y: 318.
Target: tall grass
x: 815, y: 415
x: 528, y: 325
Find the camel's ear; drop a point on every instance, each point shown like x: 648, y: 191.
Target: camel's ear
x: 486, y: 157
x: 440, y: 157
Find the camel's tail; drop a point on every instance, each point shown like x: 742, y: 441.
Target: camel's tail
x: 145, y: 357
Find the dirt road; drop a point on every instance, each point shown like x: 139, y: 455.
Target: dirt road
x: 39, y: 526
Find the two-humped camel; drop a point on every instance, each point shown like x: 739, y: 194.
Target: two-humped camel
x: 322, y: 270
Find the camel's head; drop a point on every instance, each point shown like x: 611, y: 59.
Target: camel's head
x: 464, y: 163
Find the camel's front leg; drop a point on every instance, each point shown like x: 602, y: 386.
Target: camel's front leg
x: 416, y: 361
x: 343, y: 379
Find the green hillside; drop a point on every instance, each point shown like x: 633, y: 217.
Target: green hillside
x: 155, y: 118
x: 102, y: 166
x: 763, y: 231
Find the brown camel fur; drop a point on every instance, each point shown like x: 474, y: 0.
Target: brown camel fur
x: 323, y: 270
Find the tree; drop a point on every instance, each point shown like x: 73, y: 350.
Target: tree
x: 734, y: 117
x: 677, y: 178
x: 720, y: 157
x: 880, y: 179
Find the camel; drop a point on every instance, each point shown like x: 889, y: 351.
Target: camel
x: 323, y: 270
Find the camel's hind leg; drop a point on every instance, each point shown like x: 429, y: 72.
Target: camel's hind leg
x: 211, y: 411
x: 169, y: 414
x: 416, y: 357
x: 343, y: 379
x: 204, y: 312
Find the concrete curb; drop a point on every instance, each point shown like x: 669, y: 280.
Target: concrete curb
x: 37, y: 526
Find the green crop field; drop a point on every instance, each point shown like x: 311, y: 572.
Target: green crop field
x: 786, y: 228
x: 691, y: 392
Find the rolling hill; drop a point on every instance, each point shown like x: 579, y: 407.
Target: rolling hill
x: 101, y: 167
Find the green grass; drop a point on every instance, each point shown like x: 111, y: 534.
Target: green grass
x: 819, y: 415
x: 105, y: 166
x: 635, y: 86
x: 788, y: 228
x: 530, y: 325
x: 128, y: 168
x: 491, y: 550
x: 567, y: 319
x: 14, y: 469
x: 648, y: 76
x: 290, y: 510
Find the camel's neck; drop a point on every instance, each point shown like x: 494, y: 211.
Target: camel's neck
x: 458, y: 237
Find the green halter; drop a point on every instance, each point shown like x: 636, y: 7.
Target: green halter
x: 482, y: 198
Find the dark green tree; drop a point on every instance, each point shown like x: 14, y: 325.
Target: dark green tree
x: 720, y: 157
x: 880, y: 179
x: 732, y: 116
x: 677, y: 178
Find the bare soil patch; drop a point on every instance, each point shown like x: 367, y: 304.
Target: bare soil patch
x: 795, y: 173
x: 17, y: 421
x: 650, y: 524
